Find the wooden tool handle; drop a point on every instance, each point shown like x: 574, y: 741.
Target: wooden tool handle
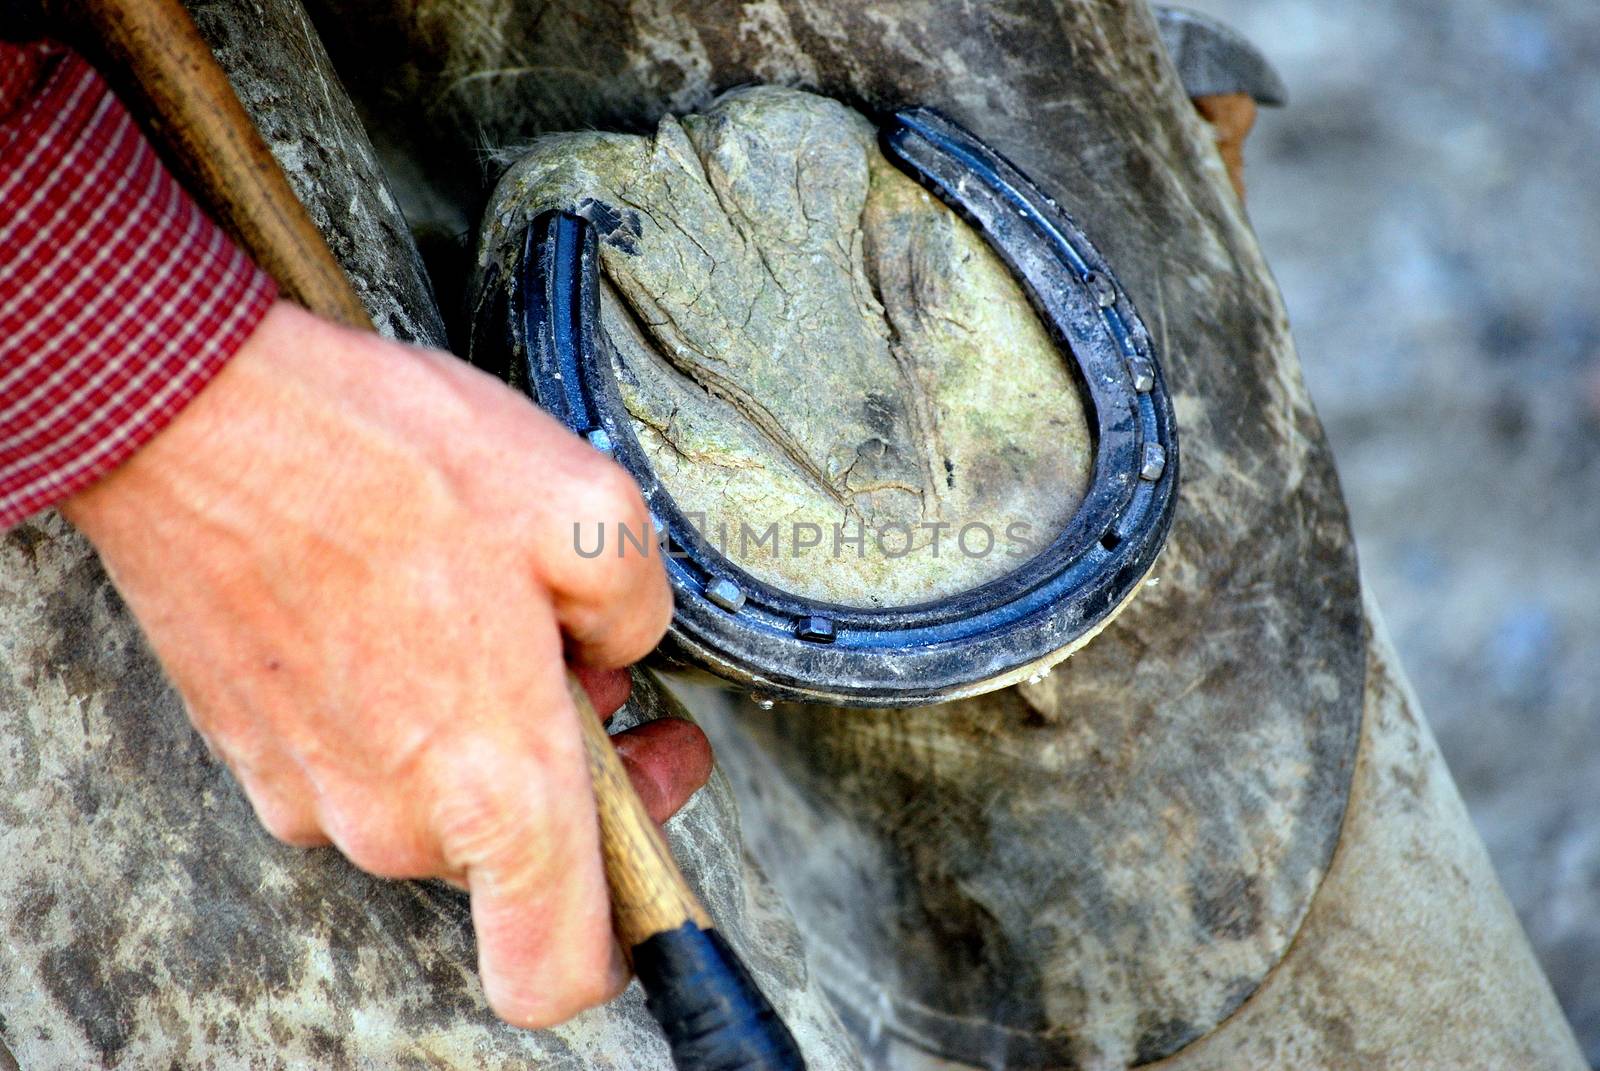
x: 648, y: 893
x: 186, y: 101
x: 714, y: 1016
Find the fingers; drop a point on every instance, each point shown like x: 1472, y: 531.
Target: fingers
x: 524, y: 837
x: 380, y: 830
x: 280, y: 795
x: 608, y: 688
x: 598, y: 556
x: 667, y: 761
x: 286, y: 813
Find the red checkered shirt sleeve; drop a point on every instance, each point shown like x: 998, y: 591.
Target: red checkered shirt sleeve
x: 119, y: 298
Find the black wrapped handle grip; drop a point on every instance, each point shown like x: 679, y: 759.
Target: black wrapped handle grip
x: 714, y: 1017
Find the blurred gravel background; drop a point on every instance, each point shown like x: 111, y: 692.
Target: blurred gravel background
x: 1430, y: 201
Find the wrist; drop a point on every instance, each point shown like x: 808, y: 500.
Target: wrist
x: 192, y: 431
x: 125, y: 299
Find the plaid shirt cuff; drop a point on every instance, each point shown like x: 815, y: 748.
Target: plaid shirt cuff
x: 119, y: 298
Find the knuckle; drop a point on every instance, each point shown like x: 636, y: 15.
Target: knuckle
x: 480, y: 825
x: 593, y: 985
x: 608, y: 538
x: 526, y: 1010
x: 592, y: 489
x: 287, y: 822
x: 610, y: 498
x: 612, y: 495
x: 659, y: 614
x: 524, y: 1002
x: 389, y: 860
x: 385, y: 849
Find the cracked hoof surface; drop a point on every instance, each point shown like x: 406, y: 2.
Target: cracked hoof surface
x: 806, y: 339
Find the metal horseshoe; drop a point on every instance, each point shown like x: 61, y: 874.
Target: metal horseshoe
x: 777, y: 644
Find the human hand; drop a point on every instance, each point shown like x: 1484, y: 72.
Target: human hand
x: 354, y: 559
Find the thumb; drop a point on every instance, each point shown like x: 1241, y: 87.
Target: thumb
x: 668, y: 760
